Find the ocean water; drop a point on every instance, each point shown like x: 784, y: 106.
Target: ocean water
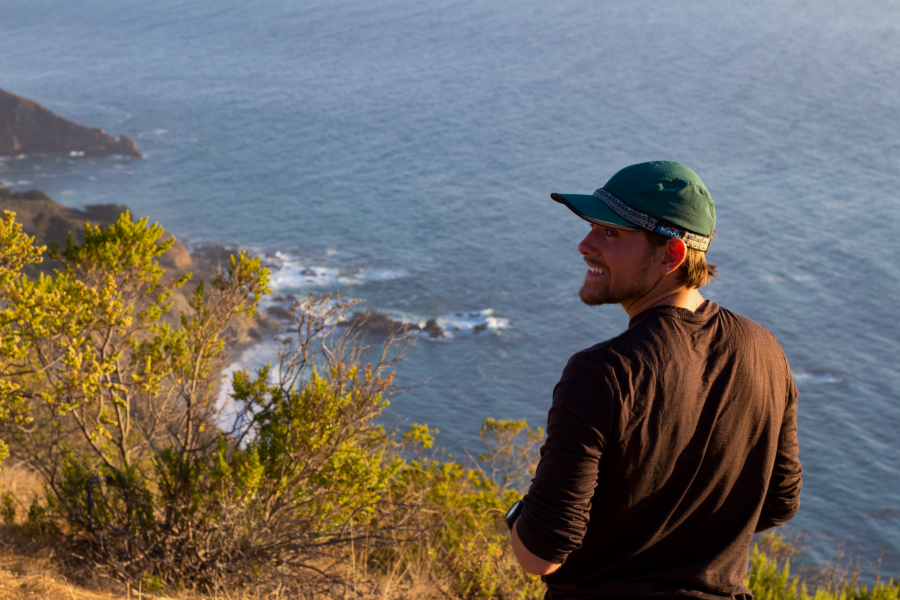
x: 403, y: 153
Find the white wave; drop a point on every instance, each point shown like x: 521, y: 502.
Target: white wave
x: 76, y: 153
x: 251, y: 360
x: 381, y: 274
x: 152, y: 132
x: 294, y: 277
x: 23, y: 182
x: 290, y: 273
x: 472, y: 322
x: 815, y: 378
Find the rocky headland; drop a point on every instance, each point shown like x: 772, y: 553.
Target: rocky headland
x: 26, y: 127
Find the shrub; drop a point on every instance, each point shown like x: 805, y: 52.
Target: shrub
x: 769, y: 578
x: 150, y: 473
x: 113, y: 409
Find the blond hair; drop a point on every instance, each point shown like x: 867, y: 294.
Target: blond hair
x: 695, y: 272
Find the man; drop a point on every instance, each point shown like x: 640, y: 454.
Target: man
x: 669, y: 445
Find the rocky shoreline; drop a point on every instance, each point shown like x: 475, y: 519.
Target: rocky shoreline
x: 371, y: 322
x: 50, y: 222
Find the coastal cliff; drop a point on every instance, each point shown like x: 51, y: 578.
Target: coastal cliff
x: 26, y: 127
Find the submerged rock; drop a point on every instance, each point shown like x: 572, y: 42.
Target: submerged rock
x: 378, y: 324
x: 433, y: 329
x: 279, y: 312
x: 26, y: 127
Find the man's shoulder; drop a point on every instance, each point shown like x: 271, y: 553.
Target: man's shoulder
x: 605, y: 353
x: 650, y: 334
x: 745, y: 325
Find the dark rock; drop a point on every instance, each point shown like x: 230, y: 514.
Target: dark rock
x: 308, y: 272
x: 26, y: 127
x: 103, y: 213
x: 8, y: 194
x: 433, y: 329
x: 214, y: 255
x: 479, y: 328
x: 279, y: 312
x: 378, y: 324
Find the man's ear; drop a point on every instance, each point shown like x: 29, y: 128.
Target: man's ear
x: 676, y: 252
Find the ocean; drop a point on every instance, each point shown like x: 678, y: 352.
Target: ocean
x: 403, y: 153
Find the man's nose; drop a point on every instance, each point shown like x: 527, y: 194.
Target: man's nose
x: 587, y: 246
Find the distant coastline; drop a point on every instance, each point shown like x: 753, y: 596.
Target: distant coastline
x: 27, y: 127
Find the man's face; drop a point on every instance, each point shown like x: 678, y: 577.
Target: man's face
x: 619, y: 266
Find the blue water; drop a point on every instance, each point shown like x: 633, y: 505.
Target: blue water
x: 406, y: 151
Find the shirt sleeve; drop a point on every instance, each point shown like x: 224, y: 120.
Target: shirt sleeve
x: 557, y: 506
x: 783, y: 494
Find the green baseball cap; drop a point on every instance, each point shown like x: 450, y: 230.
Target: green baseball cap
x: 661, y: 196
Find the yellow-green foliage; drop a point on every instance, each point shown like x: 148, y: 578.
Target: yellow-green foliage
x: 16, y: 251
x: 770, y: 579
x: 109, y: 406
x: 467, y: 541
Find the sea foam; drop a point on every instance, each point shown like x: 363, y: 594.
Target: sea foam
x: 802, y: 377
x: 290, y: 274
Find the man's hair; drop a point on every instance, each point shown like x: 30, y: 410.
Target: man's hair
x: 695, y: 272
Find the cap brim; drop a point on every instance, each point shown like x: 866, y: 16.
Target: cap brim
x: 594, y: 211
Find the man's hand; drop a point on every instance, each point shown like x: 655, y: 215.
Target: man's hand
x: 531, y: 563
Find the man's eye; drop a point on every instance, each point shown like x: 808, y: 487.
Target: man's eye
x: 611, y: 233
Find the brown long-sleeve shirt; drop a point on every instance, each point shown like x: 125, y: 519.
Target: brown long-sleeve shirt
x: 667, y: 447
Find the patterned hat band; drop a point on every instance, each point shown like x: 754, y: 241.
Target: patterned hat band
x: 691, y: 240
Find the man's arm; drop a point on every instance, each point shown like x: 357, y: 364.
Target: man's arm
x: 528, y: 561
x: 783, y: 494
x: 557, y: 506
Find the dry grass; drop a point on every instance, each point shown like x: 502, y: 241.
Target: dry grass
x: 23, y: 576
x: 41, y: 573
x: 32, y: 568
x: 25, y: 486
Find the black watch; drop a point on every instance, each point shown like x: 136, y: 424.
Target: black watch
x: 513, y: 513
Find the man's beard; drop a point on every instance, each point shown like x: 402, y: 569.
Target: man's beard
x: 634, y: 287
